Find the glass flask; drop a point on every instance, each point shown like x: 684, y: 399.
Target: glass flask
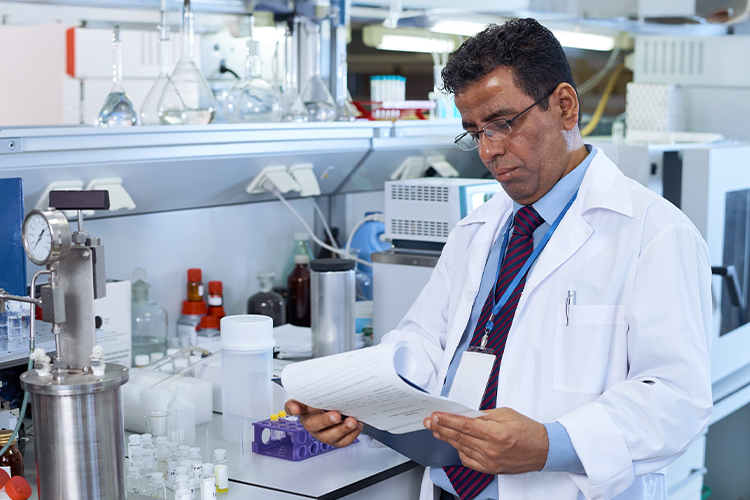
x: 189, y: 100
x: 150, y: 108
x: 118, y: 110
x: 315, y: 95
x: 253, y: 99
x: 149, y: 319
x: 294, y: 109
x: 267, y: 302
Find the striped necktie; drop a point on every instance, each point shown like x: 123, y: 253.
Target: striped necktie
x: 467, y: 482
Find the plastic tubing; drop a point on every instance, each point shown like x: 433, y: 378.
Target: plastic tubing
x: 367, y: 218
x: 591, y: 125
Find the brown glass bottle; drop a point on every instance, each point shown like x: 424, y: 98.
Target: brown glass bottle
x: 195, y: 285
x: 267, y: 302
x: 12, y: 457
x: 298, y: 282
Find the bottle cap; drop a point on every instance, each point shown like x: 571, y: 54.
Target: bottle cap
x: 220, y: 452
x: 274, y: 417
x: 214, y: 287
x: 4, y: 477
x: 301, y: 236
x: 282, y: 414
x: 332, y: 265
x: 194, y: 308
x: 195, y: 274
x: 156, y: 356
x: 209, y: 323
x: 217, y: 312
x: 142, y: 360
x: 18, y: 488
x: 247, y: 332
x: 301, y: 259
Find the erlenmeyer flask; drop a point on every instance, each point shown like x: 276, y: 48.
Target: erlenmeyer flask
x: 345, y: 110
x: 189, y: 100
x: 150, y: 108
x: 315, y: 95
x: 253, y: 99
x: 118, y: 110
x: 294, y: 109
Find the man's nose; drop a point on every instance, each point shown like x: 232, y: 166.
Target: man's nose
x: 488, y: 149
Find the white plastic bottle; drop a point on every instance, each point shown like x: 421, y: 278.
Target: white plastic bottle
x: 181, y: 420
x: 208, y: 483
x: 221, y: 471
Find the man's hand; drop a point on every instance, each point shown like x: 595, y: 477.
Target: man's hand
x: 502, y: 442
x: 325, y: 426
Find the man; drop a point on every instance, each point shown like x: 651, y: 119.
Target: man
x: 600, y: 370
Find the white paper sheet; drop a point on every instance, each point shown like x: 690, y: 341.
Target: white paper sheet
x: 366, y: 384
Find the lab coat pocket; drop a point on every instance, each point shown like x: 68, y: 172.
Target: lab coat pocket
x: 589, y: 348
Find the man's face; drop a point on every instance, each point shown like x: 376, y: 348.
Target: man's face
x: 529, y: 161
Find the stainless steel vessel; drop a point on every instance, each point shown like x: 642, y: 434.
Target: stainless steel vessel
x: 332, y: 314
x: 78, y: 433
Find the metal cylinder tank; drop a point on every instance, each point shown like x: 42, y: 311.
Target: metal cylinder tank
x: 78, y: 425
x: 332, y: 315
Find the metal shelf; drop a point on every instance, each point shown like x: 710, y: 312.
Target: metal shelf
x: 183, y: 167
x: 18, y: 354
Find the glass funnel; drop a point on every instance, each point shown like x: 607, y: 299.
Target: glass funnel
x: 315, y: 95
x: 253, y: 99
x: 294, y: 109
x: 189, y: 100
x: 150, y: 108
x: 118, y: 110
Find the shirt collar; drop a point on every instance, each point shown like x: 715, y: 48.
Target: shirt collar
x: 551, y: 204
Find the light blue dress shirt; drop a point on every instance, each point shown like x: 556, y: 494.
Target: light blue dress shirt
x: 561, y: 457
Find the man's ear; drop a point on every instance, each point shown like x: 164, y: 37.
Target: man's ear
x: 564, y: 100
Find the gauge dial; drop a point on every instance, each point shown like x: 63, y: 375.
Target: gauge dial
x: 38, y: 238
x: 46, y: 236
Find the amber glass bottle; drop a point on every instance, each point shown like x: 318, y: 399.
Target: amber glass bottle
x: 12, y: 457
x: 298, y: 306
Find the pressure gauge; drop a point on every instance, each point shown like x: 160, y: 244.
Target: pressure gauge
x: 46, y: 236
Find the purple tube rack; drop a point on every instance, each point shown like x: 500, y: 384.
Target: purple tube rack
x: 297, y: 444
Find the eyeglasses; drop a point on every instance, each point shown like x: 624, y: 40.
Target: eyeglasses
x: 494, y: 131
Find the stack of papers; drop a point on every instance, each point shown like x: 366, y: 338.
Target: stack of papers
x: 293, y: 342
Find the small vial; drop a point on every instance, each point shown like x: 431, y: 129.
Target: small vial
x: 220, y: 470
x: 172, y: 452
x: 158, y: 489
x: 282, y: 415
x: 134, y: 443
x: 216, y: 299
x: 195, y: 285
x: 276, y: 435
x: 134, y: 481
x: 192, y: 482
x: 180, y: 470
x: 183, y: 452
x: 162, y: 450
x: 149, y: 453
x: 208, y: 483
x: 182, y: 489
x: 136, y: 458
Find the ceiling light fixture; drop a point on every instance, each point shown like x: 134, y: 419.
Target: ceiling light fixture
x: 586, y: 41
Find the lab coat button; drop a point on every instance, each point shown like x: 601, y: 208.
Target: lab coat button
x: 468, y: 296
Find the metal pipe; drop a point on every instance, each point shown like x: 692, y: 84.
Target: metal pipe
x: 32, y: 320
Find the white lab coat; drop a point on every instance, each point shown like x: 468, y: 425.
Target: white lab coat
x: 629, y: 376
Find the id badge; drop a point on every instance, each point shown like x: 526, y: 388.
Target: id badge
x: 471, y: 378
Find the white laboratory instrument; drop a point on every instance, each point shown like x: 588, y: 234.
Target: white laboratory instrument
x: 425, y: 210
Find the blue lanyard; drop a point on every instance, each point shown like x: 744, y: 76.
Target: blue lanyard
x: 497, y: 306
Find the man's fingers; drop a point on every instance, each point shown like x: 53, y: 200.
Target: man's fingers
x: 341, y: 434
x: 454, y: 424
x: 320, y: 420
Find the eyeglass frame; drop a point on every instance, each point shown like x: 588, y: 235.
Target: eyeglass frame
x: 507, y: 122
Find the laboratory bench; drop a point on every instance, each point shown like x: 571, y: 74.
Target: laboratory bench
x: 357, y: 472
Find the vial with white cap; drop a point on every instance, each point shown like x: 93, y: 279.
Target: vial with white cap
x: 246, y: 356
x: 221, y: 471
x: 142, y: 360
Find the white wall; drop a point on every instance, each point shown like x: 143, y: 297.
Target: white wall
x: 231, y: 244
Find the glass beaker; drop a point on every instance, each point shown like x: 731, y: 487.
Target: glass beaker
x: 118, y: 110
x: 189, y: 100
x: 156, y: 422
x: 315, y: 95
x: 253, y: 99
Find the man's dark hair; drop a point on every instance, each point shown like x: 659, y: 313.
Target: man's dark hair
x: 528, y: 48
